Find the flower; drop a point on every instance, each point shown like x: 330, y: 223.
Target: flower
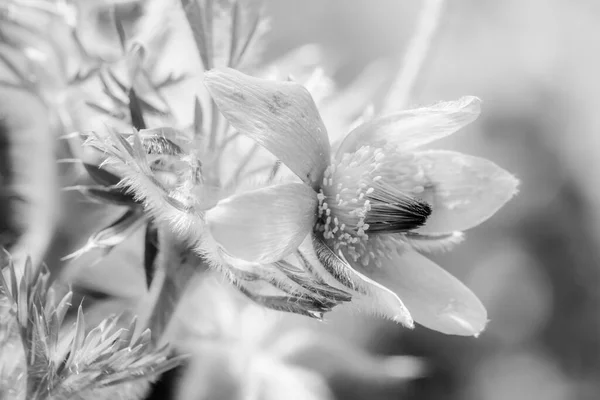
x: 373, y: 205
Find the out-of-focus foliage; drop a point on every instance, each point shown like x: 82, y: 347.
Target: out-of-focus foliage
x: 44, y: 359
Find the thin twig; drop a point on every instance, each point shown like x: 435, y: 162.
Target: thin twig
x: 234, y: 135
x: 414, y: 58
x: 215, y: 120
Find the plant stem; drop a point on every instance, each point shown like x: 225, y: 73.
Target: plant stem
x: 416, y: 54
x: 176, y: 267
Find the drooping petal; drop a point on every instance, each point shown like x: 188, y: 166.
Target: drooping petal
x: 280, y: 116
x: 413, y: 128
x: 463, y: 190
x: 264, y: 225
x: 368, y: 295
x: 433, y: 296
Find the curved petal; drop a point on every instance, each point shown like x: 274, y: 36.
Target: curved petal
x: 369, y: 296
x: 413, y: 128
x: 280, y: 116
x: 264, y: 225
x: 433, y: 243
x: 463, y: 190
x: 433, y: 296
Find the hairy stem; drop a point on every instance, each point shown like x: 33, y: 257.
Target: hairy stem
x: 176, y: 267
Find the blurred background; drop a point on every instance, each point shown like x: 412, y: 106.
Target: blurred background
x: 535, y: 264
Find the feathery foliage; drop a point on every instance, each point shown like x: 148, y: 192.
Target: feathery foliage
x: 61, y: 361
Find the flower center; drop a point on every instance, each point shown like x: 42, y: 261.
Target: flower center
x: 370, y: 192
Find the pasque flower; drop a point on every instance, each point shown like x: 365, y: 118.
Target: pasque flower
x: 373, y: 203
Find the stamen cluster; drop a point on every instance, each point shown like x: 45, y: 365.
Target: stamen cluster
x: 372, y: 191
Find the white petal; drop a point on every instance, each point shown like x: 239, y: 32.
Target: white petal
x: 368, y: 295
x: 433, y: 243
x: 433, y: 296
x: 464, y: 190
x: 413, y: 128
x: 264, y: 225
x: 280, y: 116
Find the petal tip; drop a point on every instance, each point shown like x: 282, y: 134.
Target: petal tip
x: 405, y: 320
x: 465, y: 328
x: 470, y: 102
x: 471, y: 323
x: 514, y: 184
x: 507, y: 185
x: 469, y: 190
x: 207, y: 75
x: 211, y: 78
x: 217, y: 71
x: 468, y: 108
x: 465, y: 105
x: 218, y: 80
